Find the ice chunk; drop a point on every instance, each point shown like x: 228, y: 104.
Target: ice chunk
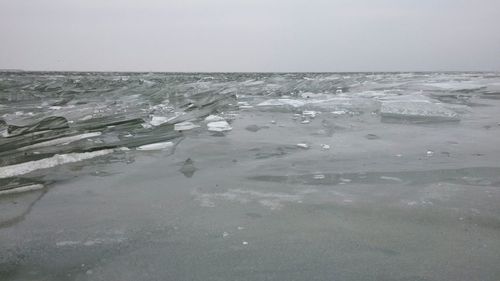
x: 418, y: 110
x: 158, y: 120
x: 156, y: 146
x: 303, y: 145
x: 309, y: 113
x: 219, y: 126
x: 185, y: 126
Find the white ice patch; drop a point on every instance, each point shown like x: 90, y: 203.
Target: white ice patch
x: 271, y: 200
x: 219, y: 126
x: 156, y: 146
x: 309, y: 113
x: 86, y: 117
x: 93, y: 242
x: 391, y: 178
x: 67, y: 243
x: 339, y: 112
x: 158, y: 120
x: 318, y: 176
x: 56, y: 160
x: 303, y: 145
x: 185, y: 126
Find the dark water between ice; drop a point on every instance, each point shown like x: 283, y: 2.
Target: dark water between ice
x: 384, y: 176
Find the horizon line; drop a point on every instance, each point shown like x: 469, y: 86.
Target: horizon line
x: 14, y: 70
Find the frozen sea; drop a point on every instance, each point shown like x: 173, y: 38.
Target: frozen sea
x: 251, y: 176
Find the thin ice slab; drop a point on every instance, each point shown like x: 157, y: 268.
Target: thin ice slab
x: 416, y: 110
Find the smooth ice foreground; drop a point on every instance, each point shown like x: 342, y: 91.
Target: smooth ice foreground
x: 379, y: 176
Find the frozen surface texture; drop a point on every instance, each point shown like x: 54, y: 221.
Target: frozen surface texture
x: 300, y: 176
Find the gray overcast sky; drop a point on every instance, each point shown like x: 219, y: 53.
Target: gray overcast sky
x: 250, y: 35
